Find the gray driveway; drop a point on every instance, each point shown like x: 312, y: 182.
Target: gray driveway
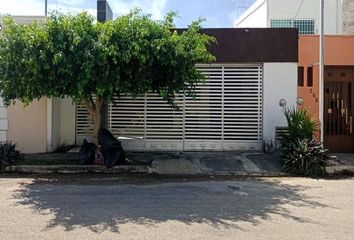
x: 146, y: 208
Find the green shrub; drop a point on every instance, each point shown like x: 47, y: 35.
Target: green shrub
x: 8, y: 155
x: 304, y: 157
x: 301, y: 125
x: 301, y: 154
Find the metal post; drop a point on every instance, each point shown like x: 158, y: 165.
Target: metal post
x: 321, y: 71
x: 46, y: 8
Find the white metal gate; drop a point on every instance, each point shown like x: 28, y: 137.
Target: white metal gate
x: 225, y: 115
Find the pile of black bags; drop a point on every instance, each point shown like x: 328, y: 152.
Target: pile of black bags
x: 87, y: 153
x: 110, y: 147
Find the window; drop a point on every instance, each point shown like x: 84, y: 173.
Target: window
x: 280, y: 23
x: 304, y: 26
x: 300, y: 76
x: 309, y: 77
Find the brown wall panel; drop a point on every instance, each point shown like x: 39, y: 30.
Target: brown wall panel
x: 254, y: 44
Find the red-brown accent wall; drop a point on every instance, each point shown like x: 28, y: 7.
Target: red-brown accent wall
x: 339, y: 51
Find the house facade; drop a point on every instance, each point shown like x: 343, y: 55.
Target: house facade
x: 301, y: 14
x: 26, y: 126
x: 338, y: 86
x: 338, y: 58
x: 237, y: 108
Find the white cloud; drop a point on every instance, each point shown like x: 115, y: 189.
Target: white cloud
x: 22, y: 7
x: 157, y: 8
x: 70, y: 9
x: 154, y: 7
x: 119, y: 7
x: 36, y: 7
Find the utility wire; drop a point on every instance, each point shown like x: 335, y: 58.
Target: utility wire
x: 298, y: 10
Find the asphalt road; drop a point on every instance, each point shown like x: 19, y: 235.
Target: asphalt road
x: 148, y: 208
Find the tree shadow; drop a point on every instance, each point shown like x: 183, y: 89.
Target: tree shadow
x: 103, y: 207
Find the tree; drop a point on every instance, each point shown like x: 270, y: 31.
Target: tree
x: 92, y: 62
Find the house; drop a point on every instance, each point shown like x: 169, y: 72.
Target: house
x: 236, y: 109
x: 14, y: 121
x: 338, y: 86
x: 301, y: 14
x: 338, y: 58
x: 239, y: 107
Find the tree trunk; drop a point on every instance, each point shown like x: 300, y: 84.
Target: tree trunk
x: 97, y: 122
x: 94, y: 107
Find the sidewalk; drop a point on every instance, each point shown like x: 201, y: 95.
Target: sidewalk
x: 217, y: 163
x: 342, y: 163
x: 176, y: 163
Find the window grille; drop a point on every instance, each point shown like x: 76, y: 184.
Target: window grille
x: 305, y: 26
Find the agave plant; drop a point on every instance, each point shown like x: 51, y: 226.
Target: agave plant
x: 305, y: 157
x: 301, y: 153
x: 301, y: 125
x: 8, y: 154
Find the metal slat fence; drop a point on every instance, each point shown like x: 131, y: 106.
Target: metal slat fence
x: 226, y: 114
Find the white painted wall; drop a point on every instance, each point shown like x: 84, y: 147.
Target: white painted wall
x: 279, y: 81
x: 310, y: 9
x: 261, y: 12
x: 62, y: 119
x: 3, y: 122
x: 67, y: 122
x: 53, y: 123
x: 254, y: 17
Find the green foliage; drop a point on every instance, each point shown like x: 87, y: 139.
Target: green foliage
x: 301, y: 154
x: 9, y: 155
x: 305, y: 157
x: 79, y: 57
x: 301, y: 125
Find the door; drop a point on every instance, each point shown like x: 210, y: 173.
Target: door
x: 339, y: 109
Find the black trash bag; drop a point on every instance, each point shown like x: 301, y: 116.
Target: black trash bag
x: 87, y: 153
x: 111, y: 148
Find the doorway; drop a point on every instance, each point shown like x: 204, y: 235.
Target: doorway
x: 339, y: 109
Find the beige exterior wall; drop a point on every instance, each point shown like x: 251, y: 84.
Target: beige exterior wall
x: 43, y: 125
x: 27, y: 126
x: 26, y: 19
x: 67, y: 122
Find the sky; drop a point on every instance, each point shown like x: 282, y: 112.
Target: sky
x: 218, y: 13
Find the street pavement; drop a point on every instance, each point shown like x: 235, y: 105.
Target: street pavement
x: 127, y: 207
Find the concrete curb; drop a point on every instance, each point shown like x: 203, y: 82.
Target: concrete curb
x: 340, y: 169
x: 76, y: 169
x: 48, y: 169
x: 230, y: 174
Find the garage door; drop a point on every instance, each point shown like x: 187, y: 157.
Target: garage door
x: 225, y: 114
